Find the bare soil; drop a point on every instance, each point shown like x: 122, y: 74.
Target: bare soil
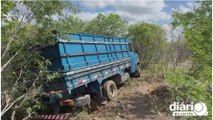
x: 141, y: 98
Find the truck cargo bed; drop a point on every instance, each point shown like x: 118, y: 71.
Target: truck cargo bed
x: 79, y: 51
x: 89, y: 66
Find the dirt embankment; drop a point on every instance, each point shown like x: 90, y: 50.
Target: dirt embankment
x: 141, y: 98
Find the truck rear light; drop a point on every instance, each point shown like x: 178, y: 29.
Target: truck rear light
x: 68, y: 103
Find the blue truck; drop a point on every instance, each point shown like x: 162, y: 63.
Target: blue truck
x: 90, y: 66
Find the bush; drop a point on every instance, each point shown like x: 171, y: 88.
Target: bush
x: 187, y: 90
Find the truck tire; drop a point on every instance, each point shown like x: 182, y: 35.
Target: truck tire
x: 110, y: 90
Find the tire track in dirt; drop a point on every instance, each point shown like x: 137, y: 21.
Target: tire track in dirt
x: 136, y: 101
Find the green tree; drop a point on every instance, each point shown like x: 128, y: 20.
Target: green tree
x: 109, y: 25
x: 197, y: 29
x: 148, y: 40
x: 70, y: 25
x: 24, y: 71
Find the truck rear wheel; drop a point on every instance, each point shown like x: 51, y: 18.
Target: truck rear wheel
x: 110, y: 90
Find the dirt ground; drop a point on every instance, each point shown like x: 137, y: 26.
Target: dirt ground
x: 139, y: 99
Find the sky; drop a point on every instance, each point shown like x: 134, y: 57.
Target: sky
x: 152, y: 11
x: 158, y: 11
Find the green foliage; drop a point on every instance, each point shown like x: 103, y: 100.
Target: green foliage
x: 23, y: 35
x: 109, y: 25
x: 27, y: 71
x: 181, y: 82
x: 7, y: 6
x: 44, y: 10
x: 197, y: 27
x: 70, y: 25
x: 187, y: 89
x: 149, y: 41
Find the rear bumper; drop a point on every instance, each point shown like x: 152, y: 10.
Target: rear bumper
x: 76, y: 102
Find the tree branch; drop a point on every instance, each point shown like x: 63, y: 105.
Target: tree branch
x: 13, y: 115
x: 8, y: 107
x: 12, y: 37
x: 27, y: 118
x: 18, y: 79
x: 5, y: 65
x: 25, y: 97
